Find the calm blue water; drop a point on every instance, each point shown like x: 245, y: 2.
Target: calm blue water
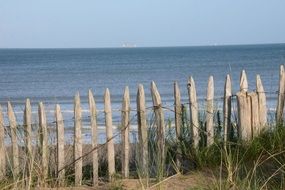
x: 54, y: 75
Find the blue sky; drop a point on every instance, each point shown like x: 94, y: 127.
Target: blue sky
x: 110, y: 23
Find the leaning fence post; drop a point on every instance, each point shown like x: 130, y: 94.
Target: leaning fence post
x: 14, y: 139
x: 227, y: 107
x: 281, y: 96
x: 193, y: 106
x: 142, y: 131
x: 159, y: 118
x: 178, y: 121
x: 93, y: 119
x: 43, y: 141
x: 125, y: 132
x: 77, y: 140
x: 210, y: 112
x: 60, y: 144
x: 2, y: 147
x: 244, y: 109
x: 109, y: 134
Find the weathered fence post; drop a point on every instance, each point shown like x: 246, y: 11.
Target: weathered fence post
x: 255, y: 124
x: 93, y: 119
x: 60, y: 145
x: 159, y: 118
x: 109, y: 134
x: 210, y: 112
x: 14, y: 139
x: 142, y: 131
x: 193, y: 106
x: 125, y: 132
x: 261, y: 103
x: 43, y: 142
x: 77, y: 140
x: 2, y: 146
x: 227, y: 107
x: 178, y: 121
x: 281, y: 96
x: 244, y: 110
x: 28, y: 127
x: 28, y: 141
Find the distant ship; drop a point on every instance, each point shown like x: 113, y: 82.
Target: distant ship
x: 128, y: 45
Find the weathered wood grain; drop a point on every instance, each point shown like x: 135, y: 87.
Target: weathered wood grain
x: 109, y: 135
x: 210, y: 112
x: 77, y: 140
x: 193, y: 106
x: 93, y: 121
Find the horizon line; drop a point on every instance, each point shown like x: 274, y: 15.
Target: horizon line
x: 170, y: 46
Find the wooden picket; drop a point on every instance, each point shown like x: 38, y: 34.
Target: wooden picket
x: 77, y: 140
x: 109, y: 135
x: 142, y: 132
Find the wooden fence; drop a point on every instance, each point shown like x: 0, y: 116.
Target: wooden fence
x: 252, y: 119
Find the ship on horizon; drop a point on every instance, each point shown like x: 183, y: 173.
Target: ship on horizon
x: 128, y: 45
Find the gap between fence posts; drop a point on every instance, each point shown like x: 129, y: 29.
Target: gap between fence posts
x: 109, y: 135
x: 93, y: 121
x: 142, y: 133
x: 60, y: 145
x: 159, y: 119
x: 77, y: 139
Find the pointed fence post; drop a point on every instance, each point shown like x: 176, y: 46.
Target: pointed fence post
x: 193, y: 106
x: 210, y: 112
x: 243, y: 82
x: 178, y: 122
x: 28, y: 139
x: 227, y: 107
x: 14, y: 139
x: 77, y: 140
x: 281, y: 96
x: 60, y: 145
x: 159, y: 119
x: 43, y: 142
x: 125, y: 132
x: 93, y: 120
x: 262, y: 109
x: 109, y: 135
x: 142, y: 132
x: 244, y: 110
x: 2, y: 147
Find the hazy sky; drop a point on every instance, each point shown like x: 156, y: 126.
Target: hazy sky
x: 109, y: 23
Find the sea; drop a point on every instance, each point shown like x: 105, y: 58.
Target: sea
x: 54, y: 76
